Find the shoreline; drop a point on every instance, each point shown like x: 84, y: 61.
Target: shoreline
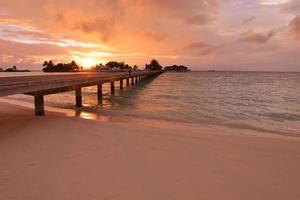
x: 116, y: 116
x: 57, y: 157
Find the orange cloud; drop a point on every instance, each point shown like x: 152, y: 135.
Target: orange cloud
x: 295, y: 26
x: 138, y: 30
x: 157, y: 36
x: 202, y: 48
x: 98, y: 25
x: 199, y: 20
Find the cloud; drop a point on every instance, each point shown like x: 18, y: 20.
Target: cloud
x: 103, y: 26
x: 87, y: 19
x: 11, y: 30
x: 202, y: 48
x: 273, y: 2
x: 248, y: 20
x: 293, y: 6
x: 13, y: 48
x: 139, y: 28
x: 31, y: 55
x: 257, y: 38
x: 177, y: 7
x: 108, y: 18
x: 199, y: 20
x: 295, y: 27
x: 157, y: 36
x: 3, y: 12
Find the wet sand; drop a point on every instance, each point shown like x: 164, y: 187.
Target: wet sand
x: 57, y: 157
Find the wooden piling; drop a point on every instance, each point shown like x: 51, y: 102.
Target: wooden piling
x: 121, y: 84
x: 127, y: 82
x: 39, y: 104
x: 99, y: 93
x: 132, y: 81
x: 78, y: 95
x: 112, y: 87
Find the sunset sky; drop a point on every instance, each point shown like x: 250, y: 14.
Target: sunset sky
x: 203, y: 34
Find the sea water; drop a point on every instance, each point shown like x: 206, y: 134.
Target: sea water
x: 263, y: 101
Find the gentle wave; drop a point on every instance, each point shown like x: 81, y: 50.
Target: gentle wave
x: 251, y: 100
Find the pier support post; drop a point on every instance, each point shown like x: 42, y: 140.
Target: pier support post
x: 121, y: 84
x: 78, y: 95
x: 127, y: 82
x: 112, y: 87
x: 132, y: 81
x: 39, y: 105
x: 99, y: 93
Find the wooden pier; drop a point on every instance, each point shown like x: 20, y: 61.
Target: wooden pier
x: 39, y: 86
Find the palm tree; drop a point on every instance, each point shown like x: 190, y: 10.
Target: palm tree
x: 48, y: 64
x: 74, y: 66
x: 45, y: 63
x: 154, y: 65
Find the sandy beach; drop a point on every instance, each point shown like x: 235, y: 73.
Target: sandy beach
x: 59, y: 158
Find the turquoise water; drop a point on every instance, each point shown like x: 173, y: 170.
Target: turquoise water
x: 251, y: 100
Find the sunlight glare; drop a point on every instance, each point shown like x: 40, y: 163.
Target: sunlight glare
x: 88, y: 62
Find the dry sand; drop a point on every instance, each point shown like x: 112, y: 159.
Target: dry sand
x: 62, y: 158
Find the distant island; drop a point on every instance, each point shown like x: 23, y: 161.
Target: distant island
x: 50, y: 66
x: 13, y: 69
x: 177, y: 68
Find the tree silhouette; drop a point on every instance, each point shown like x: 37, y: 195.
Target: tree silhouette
x: 177, y: 68
x: 49, y: 66
x: 153, y: 66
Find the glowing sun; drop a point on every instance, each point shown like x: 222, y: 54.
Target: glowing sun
x: 87, y: 62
